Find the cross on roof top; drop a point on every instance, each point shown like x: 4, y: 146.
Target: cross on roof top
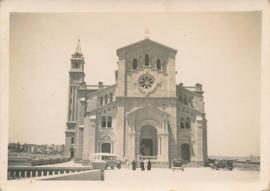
x: 146, y: 32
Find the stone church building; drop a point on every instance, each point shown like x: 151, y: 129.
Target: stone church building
x: 145, y: 114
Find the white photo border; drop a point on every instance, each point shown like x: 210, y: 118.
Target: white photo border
x: 10, y: 6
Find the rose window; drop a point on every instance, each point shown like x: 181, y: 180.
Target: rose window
x: 146, y: 81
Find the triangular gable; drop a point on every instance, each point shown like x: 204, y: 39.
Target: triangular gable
x: 143, y: 43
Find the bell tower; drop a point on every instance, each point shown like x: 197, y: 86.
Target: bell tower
x: 76, y: 79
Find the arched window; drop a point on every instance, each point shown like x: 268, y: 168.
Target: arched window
x: 146, y: 60
x: 182, y: 124
x: 188, y: 123
x: 158, y: 64
x: 101, y: 100
x: 111, y: 97
x: 134, y: 64
x: 109, y: 124
x: 180, y: 98
x: 103, y: 121
x: 72, y: 140
x: 106, y: 99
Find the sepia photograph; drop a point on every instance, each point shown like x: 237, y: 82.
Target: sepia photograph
x: 135, y: 101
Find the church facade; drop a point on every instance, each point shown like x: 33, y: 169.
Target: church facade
x: 145, y: 114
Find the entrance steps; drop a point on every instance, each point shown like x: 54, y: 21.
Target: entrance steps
x: 193, y: 164
x: 165, y: 164
x: 159, y: 164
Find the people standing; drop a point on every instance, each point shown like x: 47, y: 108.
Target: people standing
x: 127, y: 164
x: 149, y: 164
x: 142, y: 165
x: 133, y: 165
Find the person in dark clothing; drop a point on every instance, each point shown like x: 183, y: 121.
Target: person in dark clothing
x: 133, y: 165
x: 118, y: 164
x: 142, y: 165
x: 149, y: 164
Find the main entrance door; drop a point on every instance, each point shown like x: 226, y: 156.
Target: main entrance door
x: 185, y: 152
x: 147, y: 147
x: 148, y: 141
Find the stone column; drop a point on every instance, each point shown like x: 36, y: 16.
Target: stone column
x: 159, y: 146
x: 89, y: 140
x: 137, y: 143
x: 163, y: 147
x: 131, y: 148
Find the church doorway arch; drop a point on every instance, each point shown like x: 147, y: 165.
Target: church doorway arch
x: 185, y: 152
x: 148, y: 141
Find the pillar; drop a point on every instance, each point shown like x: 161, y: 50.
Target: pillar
x: 89, y: 140
x: 131, y: 147
x: 163, y: 147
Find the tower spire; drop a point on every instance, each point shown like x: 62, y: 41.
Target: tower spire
x: 78, y: 47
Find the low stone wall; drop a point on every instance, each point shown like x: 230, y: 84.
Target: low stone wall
x: 21, y: 172
x: 85, y: 175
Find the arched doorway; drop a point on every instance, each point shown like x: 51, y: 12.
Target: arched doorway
x: 148, y: 141
x: 185, y: 152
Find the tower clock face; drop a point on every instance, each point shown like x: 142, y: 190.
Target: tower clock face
x: 146, y: 81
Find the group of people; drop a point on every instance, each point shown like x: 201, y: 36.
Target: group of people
x: 143, y: 164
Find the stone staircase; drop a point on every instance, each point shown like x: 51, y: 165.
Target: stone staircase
x: 159, y: 164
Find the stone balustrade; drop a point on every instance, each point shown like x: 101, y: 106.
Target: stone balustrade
x: 22, y: 172
x: 148, y: 157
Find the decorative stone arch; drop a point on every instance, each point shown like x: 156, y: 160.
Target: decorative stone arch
x: 148, y: 115
x: 149, y: 122
x: 107, y: 142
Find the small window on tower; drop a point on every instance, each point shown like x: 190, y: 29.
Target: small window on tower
x: 158, y: 64
x: 188, y: 123
x: 106, y: 99
x: 101, y: 100
x: 103, y: 121
x: 146, y: 60
x: 111, y: 97
x: 72, y: 140
x: 182, y: 125
x: 109, y: 125
x: 180, y: 98
x: 134, y: 64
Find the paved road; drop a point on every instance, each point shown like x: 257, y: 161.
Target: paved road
x: 191, y: 179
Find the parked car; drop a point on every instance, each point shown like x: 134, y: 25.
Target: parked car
x: 177, y: 165
x: 222, y: 164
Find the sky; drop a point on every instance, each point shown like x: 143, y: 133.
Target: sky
x: 219, y: 50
